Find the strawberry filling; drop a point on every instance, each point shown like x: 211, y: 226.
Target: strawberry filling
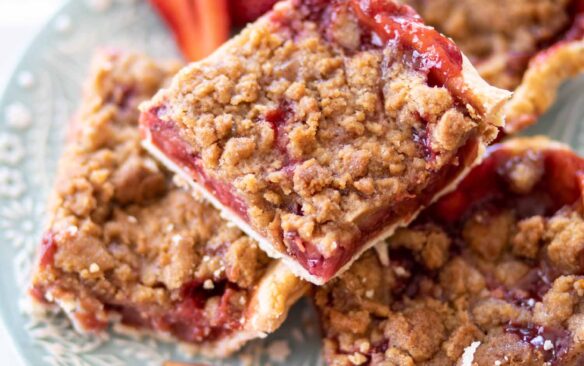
x: 191, y: 319
x: 48, y: 250
x: 396, y: 25
x: 199, y: 314
x: 426, y: 49
x: 560, y: 185
x: 277, y: 118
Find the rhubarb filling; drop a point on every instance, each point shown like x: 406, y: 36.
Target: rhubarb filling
x: 165, y: 136
x: 502, y: 251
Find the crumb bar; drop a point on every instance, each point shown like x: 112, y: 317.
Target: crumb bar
x: 323, y: 126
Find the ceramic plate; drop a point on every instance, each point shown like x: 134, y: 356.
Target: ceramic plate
x: 34, y: 111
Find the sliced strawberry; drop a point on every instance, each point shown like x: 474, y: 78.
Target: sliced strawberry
x: 244, y: 11
x: 199, y: 26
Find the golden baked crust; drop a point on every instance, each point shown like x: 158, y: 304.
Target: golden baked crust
x: 539, y: 87
x: 530, y: 46
x: 492, y: 274
x: 125, y: 245
x: 307, y: 133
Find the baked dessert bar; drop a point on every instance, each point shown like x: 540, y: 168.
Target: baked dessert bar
x: 323, y: 126
x: 491, y: 274
x: 125, y: 245
x: 530, y: 46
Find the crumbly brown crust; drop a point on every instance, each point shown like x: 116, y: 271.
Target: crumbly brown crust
x: 314, y: 132
x: 506, y: 276
x: 125, y: 244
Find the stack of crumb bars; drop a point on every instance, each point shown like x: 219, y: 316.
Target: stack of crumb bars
x: 340, y: 150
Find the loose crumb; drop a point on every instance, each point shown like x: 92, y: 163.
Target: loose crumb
x: 468, y: 355
x: 94, y: 268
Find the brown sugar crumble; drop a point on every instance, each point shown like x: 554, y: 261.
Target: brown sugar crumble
x: 486, y: 276
x: 312, y: 126
x: 125, y: 245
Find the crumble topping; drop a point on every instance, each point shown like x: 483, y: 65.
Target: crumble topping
x: 313, y: 128
x: 123, y: 238
x: 502, y: 283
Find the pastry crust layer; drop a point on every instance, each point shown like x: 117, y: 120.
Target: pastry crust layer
x: 539, y: 88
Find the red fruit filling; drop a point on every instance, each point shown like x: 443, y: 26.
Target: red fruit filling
x: 560, y: 185
x: 48, y: 250
x: 390, y: 23
x: 277, y: 118
x: 488, y: 188
x: 244, y: 11
x: 427, y: 50
x: 191, y: 319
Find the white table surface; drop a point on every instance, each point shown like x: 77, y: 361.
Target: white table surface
x: 19, y: 22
